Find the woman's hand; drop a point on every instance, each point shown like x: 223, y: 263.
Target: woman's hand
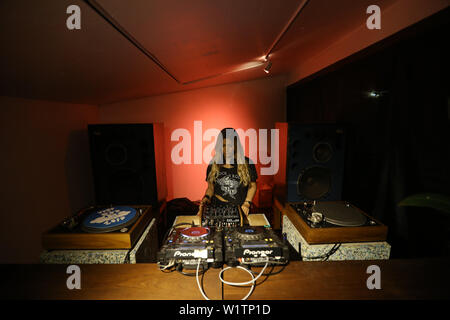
x: 200, y: 210
x: 204, y: 201
x: 245, y: 208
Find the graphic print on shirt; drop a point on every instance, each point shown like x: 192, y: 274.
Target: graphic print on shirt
x: 229, y: 185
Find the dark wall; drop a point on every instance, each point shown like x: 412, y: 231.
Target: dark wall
x: 398, y: 143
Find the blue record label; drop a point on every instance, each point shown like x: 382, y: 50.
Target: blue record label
x: 109, y: 217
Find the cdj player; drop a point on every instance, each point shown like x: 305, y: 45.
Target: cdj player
x: 254, y: 246
x: 221, y: 239
x: 185, y: 247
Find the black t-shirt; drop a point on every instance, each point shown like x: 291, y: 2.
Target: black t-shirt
x: 227, y: 184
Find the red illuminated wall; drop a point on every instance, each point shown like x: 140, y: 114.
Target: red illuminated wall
x: 254, y: 104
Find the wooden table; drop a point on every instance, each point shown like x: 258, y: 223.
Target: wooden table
x: 400, y: 279
x: 105, y: 281
x: 346, y: 280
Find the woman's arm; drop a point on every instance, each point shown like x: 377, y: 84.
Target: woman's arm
x: 210, y: 190
x: 250, y: 194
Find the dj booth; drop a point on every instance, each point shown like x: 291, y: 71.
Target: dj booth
x: 345, y: 279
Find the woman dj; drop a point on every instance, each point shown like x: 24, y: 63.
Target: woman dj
x: 231, y: 176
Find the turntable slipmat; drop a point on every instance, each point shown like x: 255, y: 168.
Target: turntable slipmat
x: 109, y: 219
x: 340, y: 214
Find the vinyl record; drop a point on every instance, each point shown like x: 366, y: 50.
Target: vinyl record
x: 340, y: 214
x: 109, y: 219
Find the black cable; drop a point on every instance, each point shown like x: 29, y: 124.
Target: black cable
x: 332, y: 251
x: 277, y: 272
x: 168, y: 270
x: 272, y: 267
x: 327, y: 255
x: 267, y: 275
x: 180, y: 268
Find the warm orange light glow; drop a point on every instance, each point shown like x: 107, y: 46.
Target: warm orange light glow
x: 245, y: 105
x: 248, y: 65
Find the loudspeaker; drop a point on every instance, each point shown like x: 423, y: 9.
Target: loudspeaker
x: 315, y: 155
x: 128, y: 163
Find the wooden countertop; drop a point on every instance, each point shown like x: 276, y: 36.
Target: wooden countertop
x: 400, y: 279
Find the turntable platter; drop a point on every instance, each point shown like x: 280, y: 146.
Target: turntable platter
x: 109, y: 219
x: 341, y: 214
x: 248, y: 233
x: 195, y: 232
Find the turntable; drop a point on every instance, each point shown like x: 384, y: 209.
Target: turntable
x: 100, y: 227
x: 334, y: 222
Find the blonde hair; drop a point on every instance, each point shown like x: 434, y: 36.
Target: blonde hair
x: 217, y: 161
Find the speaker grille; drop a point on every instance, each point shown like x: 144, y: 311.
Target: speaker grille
x: 124, y: 163
x: 126, y: 186
x: 314, y: 183
x: 116, y: 154
x: 322, y: 152
x: 315, y: 161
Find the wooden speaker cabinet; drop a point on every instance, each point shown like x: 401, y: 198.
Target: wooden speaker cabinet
x: 128, y: 163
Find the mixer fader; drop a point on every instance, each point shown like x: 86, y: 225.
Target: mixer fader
x: 221, y: 216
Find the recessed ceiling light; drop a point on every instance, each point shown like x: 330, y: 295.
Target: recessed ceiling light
x: 267, y: 68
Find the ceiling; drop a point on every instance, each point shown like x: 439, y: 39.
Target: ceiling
x: 199, y: 42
